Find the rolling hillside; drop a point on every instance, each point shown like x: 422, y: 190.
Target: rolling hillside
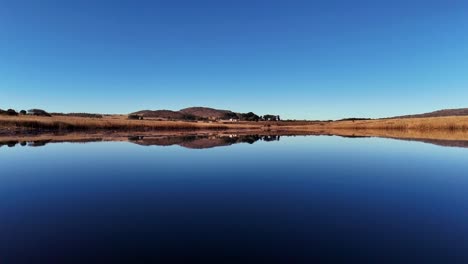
x: 205, y: 112
x: 186, y: 113
x: 439, y: 113
x: 163, y: 114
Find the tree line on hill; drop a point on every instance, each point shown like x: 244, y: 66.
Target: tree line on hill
x: 40, y: 112
x: 188, y: 114
x: 250, y: 116
x: 200, y: 114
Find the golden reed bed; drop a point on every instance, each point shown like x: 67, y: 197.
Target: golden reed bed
x: 451, y: 123
x: 65, y: 123
x: 448, y: 126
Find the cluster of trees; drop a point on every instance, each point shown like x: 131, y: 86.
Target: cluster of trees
x: 40, y: 112
x: 135, y: 117
x: 250, y: 116
x: 36, y: 112
x: 10, y: 112
x: 230, y: 115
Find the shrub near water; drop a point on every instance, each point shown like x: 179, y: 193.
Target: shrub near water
x: 9, y: 112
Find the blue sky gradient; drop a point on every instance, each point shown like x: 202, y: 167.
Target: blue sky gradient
x: 299, y: 59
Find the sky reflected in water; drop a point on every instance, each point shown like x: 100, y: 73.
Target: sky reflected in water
x: 296, y: 200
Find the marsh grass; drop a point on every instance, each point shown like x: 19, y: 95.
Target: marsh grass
x: 62, y: 123
x: 451, y: 123
x: 122, y: 123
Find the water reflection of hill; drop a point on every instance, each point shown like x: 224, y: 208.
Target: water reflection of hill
x: 211, y: 140
x: 201, y: 141
x: 187, y: 141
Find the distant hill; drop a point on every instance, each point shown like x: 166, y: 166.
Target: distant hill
x: 164, y: 114
x: 200, y: 141
x: 191, y: 113
x: 205, y: 112
x: 439, y: 113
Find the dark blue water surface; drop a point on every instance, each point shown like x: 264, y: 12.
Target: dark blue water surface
x: 297, y: 200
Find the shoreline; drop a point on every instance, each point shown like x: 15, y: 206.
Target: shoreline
x: 213, y: 138
x: 454, y: 127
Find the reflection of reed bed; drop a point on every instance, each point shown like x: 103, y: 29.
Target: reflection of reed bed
x: 136, y: 136
x: 456, y: 138
x: 188, y: 140
x: 208, y: 139
x: 39, y: 142
x: 404, y: 134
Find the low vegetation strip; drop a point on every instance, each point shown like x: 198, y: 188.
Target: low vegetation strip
x: 88, y: 115
x: 67, y: 123
x: 452, y: 123
x: 38, y: 124
x: 422, y: 124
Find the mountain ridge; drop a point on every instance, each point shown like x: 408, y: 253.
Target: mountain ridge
x: 206, y: 112
x: 201, y: 113
x: 438, y: 113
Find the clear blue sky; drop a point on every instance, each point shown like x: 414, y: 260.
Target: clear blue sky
x: 300, y: 59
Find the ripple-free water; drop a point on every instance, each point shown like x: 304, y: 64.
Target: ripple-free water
x: 296, y: 200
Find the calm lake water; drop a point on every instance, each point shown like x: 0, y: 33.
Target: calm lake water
x: 285, y: 200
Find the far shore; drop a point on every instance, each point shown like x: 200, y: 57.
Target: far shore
x: 26, y: 124
x: 447, y: 131
x: 212, y: 138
